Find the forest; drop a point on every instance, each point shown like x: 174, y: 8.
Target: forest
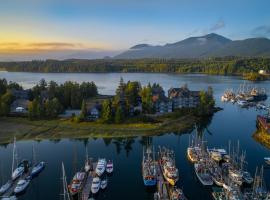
x: 220, y: 66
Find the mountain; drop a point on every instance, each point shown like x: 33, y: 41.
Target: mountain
x: 211, y: 45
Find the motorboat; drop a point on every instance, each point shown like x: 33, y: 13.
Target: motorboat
x: 38, y: 168
x: 247, y: 177
x: 5, y: 187
x: 109, y: 167
x: 101, y: 166
x: 95, y: 185
x: 267, y: 160
x: 203, y: 175
x: 103, y: 183
x: 76, y: 183
x: 22, y: 185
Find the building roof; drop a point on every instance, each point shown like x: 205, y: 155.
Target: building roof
x: 182, y: 92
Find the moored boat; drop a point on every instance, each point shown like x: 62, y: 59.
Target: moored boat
x: 22, y: 185
x: 76, y: 183
x: 101, y: 166
x: 167, y: 163
x: 149, y: 167
x: 267, y: 160
x: 95, y: 185
x: 203, y: 175
x: 104, y: 183
x: 38, y: 168
x: 177, y: 194
x: 109, y: 167
x: 5, y: 187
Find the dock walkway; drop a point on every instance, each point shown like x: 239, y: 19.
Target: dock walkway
x: 162, y: 185
x: 87, y: 185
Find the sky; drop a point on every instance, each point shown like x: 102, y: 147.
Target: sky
x: 32, y: 29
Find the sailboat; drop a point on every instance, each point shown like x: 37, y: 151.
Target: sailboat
x: 38, y: 167
x: 22, y: 185
x: 149, y: 167
x: 65, y: 187
x: 87, y: 165
x: 16, y: 173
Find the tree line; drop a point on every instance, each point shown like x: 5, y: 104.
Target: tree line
x: 221, y: 66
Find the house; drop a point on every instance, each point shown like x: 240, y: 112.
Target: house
x: 183, y: 97
x: 263, y: 72
x: 19, y: 106
x: 94, y: 113
x: 162, y: 104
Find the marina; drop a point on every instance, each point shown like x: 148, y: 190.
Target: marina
x: 229, y: 124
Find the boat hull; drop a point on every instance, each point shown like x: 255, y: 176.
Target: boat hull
x: 149, y: 183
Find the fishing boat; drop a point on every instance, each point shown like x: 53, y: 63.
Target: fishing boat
x: 192, y: 154
x: 216, y: 175
x: 149, y: 167
x: 104, y: 183
x: 267, y: 160
x: 263, y: 122
x: 236, y: 176
x: 22, y: 185
x: 177, y: 194
x: 203, y: 174
x: 95, y: 185
x: 109, y: 167
x: 247, y: 178
x: 167, y: 163
x: 5, y: 187
x: 38, y: 168
x: 77, y: 183
x: 101, y: 166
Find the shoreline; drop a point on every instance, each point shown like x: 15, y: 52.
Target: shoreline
x: 25, y: 129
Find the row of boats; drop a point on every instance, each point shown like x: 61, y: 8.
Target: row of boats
x: 225, y: 170
x: 21, y: 176
x: 162, y: 171
x: 245, y: 93
x: 92, y: 177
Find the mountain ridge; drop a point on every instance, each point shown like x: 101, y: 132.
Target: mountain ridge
x: 210, y: 45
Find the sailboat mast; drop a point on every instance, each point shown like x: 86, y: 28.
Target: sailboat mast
x: 13, y: 155
x: 65, y: 191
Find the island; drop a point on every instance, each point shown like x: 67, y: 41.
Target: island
x: 73, y: 110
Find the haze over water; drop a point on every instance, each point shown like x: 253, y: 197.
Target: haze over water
x: 233, y: 123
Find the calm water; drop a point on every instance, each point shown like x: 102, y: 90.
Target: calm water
x: 232, y: 124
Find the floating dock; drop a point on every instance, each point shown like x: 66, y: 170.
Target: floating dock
x: 162, y: 185
x: 87, y: 185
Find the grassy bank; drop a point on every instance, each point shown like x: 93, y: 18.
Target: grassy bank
x: 25, y: 129
x: 262, y: 138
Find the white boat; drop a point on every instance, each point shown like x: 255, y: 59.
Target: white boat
x: 267, y: 160
x: 95, y: 185
x: 242, y: 102
x: 37, y: 168
x: 17, y: 172
x: 87, y: 165
x: 5, y: 187
x: 22, y: 185
x: 109, y: 167
x: 101, y: 166
x: 204, y: 177
x: 9, y: 198
x: 236, y: 176
x: 247, y: 177
x: 77, y: 183
x: 103, y: 183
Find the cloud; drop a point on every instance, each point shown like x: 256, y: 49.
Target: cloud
x: 262, y: 31
x: 218, y: 25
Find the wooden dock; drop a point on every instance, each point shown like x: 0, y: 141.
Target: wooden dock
x: 162, y: 185
x: 87, y: 185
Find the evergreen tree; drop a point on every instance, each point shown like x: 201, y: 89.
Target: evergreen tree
x: 83, y: 113
x: 106, y: 114
x: 119, y: 115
